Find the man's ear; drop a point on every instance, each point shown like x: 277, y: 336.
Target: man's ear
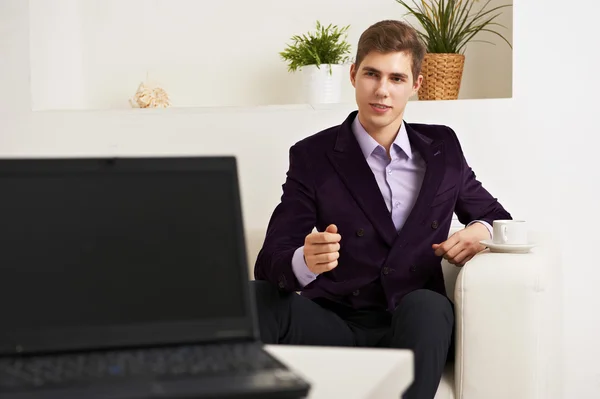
x: 353, y: 75
x: 417, y: 84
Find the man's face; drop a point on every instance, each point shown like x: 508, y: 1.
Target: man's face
x: 383, y: 83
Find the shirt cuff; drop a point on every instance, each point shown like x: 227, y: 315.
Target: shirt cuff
x: 300, y: 269
x: 487, y: 225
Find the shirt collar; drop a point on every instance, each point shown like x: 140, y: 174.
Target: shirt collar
x: 368, y: 144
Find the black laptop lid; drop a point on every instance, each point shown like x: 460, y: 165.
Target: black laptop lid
x: 121, y: 252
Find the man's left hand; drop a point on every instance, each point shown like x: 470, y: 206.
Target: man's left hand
x: 461, y: 246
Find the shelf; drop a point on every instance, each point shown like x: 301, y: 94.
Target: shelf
x: 212, y: 110
x: 268, y: 108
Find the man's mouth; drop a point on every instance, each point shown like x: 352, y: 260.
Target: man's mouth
x: 380, y: 106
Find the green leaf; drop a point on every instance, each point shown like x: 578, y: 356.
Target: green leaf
x: 326, y: 45
x: 447, y: 26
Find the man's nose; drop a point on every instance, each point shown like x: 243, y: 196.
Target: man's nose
x: 382, y: 89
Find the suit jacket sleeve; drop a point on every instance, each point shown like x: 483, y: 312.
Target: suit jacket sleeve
x: 474, y: 201
x: 292, y: 220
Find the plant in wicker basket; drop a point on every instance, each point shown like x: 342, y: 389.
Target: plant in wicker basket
x: 447, y: 27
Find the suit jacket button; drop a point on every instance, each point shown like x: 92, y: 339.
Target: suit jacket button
x: 360, y: 232
x: 386, y: 270
x: 435, y: 224
x: 281, y: 284
x: 356, y: 293
x: 413, y: 268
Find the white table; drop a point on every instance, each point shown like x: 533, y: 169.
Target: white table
x: 349, y: 373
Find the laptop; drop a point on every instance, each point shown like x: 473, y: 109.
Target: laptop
x: 128, y: 278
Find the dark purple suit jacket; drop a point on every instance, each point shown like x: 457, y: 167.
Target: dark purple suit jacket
x: 329, y: 181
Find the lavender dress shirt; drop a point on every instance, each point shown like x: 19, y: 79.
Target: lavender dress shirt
x: 399, y: 180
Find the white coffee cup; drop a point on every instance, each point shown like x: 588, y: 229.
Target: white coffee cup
x: 510, y: 232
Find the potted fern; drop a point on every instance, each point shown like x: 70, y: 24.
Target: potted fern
x: 320, y: 57
x: 447, y: 27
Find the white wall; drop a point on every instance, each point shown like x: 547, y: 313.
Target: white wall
x: 537, y: 152
x: 93, y: 53
x: 56, y: 62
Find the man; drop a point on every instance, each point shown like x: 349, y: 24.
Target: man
x: 381, y: 194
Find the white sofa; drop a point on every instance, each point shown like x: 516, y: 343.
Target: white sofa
x: 508, y: 323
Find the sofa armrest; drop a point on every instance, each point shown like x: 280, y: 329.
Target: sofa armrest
x: 509, y: 325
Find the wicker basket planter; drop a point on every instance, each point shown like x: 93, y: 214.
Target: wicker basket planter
x: 442, y: 75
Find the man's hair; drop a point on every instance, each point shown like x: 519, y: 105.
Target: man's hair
x: 392, y: 36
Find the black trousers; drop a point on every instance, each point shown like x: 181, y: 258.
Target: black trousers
x: 423, y: 322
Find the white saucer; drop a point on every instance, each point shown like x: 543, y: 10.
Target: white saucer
x: 506, y: 248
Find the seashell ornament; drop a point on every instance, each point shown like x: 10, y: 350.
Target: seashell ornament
x: 150, y: 97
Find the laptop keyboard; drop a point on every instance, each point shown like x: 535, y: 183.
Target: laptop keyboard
x: 24, y: 372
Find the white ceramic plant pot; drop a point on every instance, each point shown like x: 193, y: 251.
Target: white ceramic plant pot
x: 321, y: 85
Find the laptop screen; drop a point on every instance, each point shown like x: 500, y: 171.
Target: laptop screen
x: 120, y: 252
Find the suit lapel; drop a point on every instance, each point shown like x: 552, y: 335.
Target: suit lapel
x: 350, y: 163
x: 434, y: 156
